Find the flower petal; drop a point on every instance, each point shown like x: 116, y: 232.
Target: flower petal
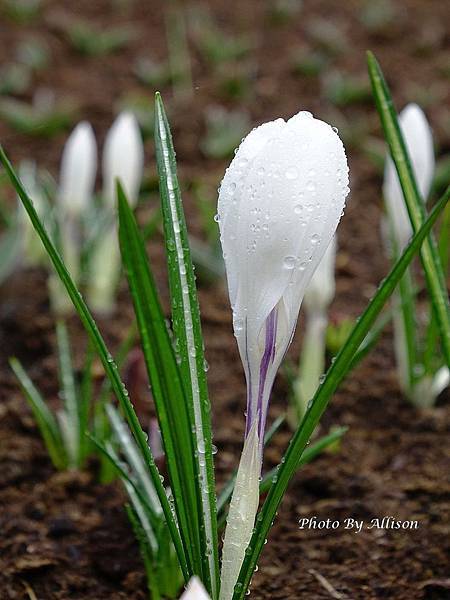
x: 419, y: 142
x: 78, y: 169
x: 123, y: 158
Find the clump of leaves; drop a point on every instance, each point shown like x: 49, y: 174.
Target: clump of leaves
x: 224, y: 130
x: 43, y: 117
x: 345, y: 90
x: 327, y: 36
x: 307, y: 63
x: 21, y: 11
x: 34, y: 54
x: 282, y: 11
x: 216, y: 45
x: 151, y: 73
x: 92, y: 41
x: 15, y: 78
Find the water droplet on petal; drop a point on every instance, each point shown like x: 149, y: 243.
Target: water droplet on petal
x: 238, y: 325
x: 310, y: 186
x: 289, y: 262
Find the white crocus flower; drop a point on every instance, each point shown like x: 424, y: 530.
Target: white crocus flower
x: 397, y: 230
x: 78, y: 170
x: 76, y: 187
x: 279, y: 205
x: 318, y: 296
x: 194, y: 590
x: 419, y: 142
x: 123, y: 159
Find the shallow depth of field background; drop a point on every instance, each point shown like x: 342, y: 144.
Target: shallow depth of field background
x: 63, y: 535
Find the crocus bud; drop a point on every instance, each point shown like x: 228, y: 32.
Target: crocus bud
x: 320, y: 291
x: 76, y: 186
x: 123, y: 158
x: 318, y: 296
x: 419, y: 142
x: 279, y: 205
x: 194, y: 590
x: 78, y: 169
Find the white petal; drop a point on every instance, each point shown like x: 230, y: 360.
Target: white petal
x: 441, y: 380
x: 419, y: 142
x: 123, y: 158
x: 195, y: 590
x: 279, y: 206
x: 78, y: 169
x: 242, y: 513
x: 321, y: 288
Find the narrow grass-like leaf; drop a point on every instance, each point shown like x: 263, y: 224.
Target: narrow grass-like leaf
x: 71, y: 429
x: 416, y: 209
x: 145, y: 551
x: 133, y: 457
x: 109, y: 365
x: 408, y: 324
x: 189, y: 339
x: 86, y: 396
x: 167, y: 388
x: 122, y: 469
x: 48, y: 426
x: 308, y: 455
x: 334, y: 376
x: 431, y: 361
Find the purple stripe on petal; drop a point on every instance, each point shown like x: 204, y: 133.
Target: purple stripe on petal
x: 268, y: 357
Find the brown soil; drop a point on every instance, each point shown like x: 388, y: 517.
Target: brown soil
x: 66, y: 537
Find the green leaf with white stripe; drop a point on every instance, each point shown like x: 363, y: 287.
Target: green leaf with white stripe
x: 189, y: 339
x: 70, y: 417
x: 165, y: 379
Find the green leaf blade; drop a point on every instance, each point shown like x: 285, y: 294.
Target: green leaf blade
x: 187, y: 329
x: 167, y: 388
x: 71, y: 408
x: 46, y: 422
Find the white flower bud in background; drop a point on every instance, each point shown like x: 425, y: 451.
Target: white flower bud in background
x: 194, y: 590
x: 419, y: 142
x: 321, y: 289
x: 76, y: 188
x: 78, y: 170
x: 318, y: 297
x: 123, y: 159
x: 279, y: 205
x: 396, y: 231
